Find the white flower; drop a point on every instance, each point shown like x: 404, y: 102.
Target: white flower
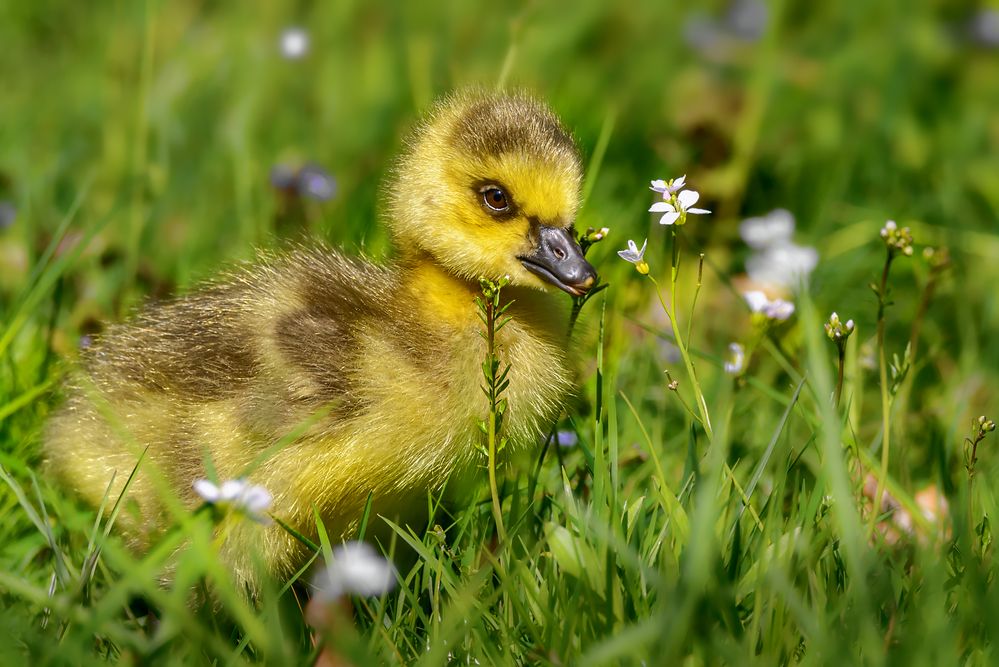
x: 633, y: 254
x: 777, y: 260
x: 666, y: 188
x: 685, y: 200
x: 357, y: 569
x: 239, y: 494
x: 783, y: 264
x: 737, y: 359
x: 984, y: 27
x: 774, y: 228
x: 778, y: 309
x: 294, y: 43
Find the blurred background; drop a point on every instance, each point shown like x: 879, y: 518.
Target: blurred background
x: 170, y: 138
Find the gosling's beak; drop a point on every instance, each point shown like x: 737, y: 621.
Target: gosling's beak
x: 559, y: 260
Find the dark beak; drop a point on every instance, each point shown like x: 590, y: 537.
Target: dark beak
x: 559, y: 260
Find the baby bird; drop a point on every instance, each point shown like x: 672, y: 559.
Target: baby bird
x: 334, y: 377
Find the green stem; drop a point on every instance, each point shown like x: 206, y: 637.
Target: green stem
x: 493, y: 487
x: 841, y: 348
x: 972, y: 460
x: 885, y: 396
x: 491, y: 426
x: 702, y: 406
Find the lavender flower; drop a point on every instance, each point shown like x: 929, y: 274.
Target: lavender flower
x: 314, y: 182
x: 309, y: 182
x: 567, y: 439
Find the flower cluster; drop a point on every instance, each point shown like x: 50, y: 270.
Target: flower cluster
x: 838, y: 331
x: 776, y: 260
x: 985, y: 425
x: 898, y: 240
x: 776, y: 310
x: 677, y: 202
x: 591, y: 237
x: 236, y: 494
x: 596, y: 235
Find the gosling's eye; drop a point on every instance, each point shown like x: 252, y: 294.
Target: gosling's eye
x: 495, y: 198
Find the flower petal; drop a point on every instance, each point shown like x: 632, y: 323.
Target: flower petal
x: 208, y: 491
x: 661, y: 207
x: 256, y: 499
x: 688, y: 198
x: 756, y: 300
x: 698, y: 211
x: 658, y: 185
x: 232, y: 489
x: 779, y: 309
x: 669, y: 218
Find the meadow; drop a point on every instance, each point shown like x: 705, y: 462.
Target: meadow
x: 698, y: 503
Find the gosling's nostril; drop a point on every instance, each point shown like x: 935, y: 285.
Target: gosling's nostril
x: 559, y: 253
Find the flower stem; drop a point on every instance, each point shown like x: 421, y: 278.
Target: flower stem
x: 702, y: 406
x: 492, y: 426
x: 841, y: 348
x: 493, y: 487
x: 885, y: 395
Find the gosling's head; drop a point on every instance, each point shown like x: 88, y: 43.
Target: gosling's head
x: 490, y: 187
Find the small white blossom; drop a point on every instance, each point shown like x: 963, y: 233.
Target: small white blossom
x: 667, y: 188
x: 736, y: 360
x: 838, y: 331
x: 633, y: 254
x: 294, y: 43
x: 984, y: 27
x: 685, y: 201
x: 250, y: 499
x: 782, y: 265
x: 778, y: 309
x: 776, y: 259
x: 357, y: 569
x: 897, y: 240
x: 774, y: 228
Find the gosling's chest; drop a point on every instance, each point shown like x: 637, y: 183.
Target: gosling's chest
x: 539, y: 378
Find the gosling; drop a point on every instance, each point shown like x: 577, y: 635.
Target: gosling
x: 337, y: 378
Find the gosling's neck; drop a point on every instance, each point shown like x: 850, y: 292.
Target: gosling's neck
x: 444, y: 297
x: 440, y: 294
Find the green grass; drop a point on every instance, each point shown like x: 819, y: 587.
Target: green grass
x: 136, y: 141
